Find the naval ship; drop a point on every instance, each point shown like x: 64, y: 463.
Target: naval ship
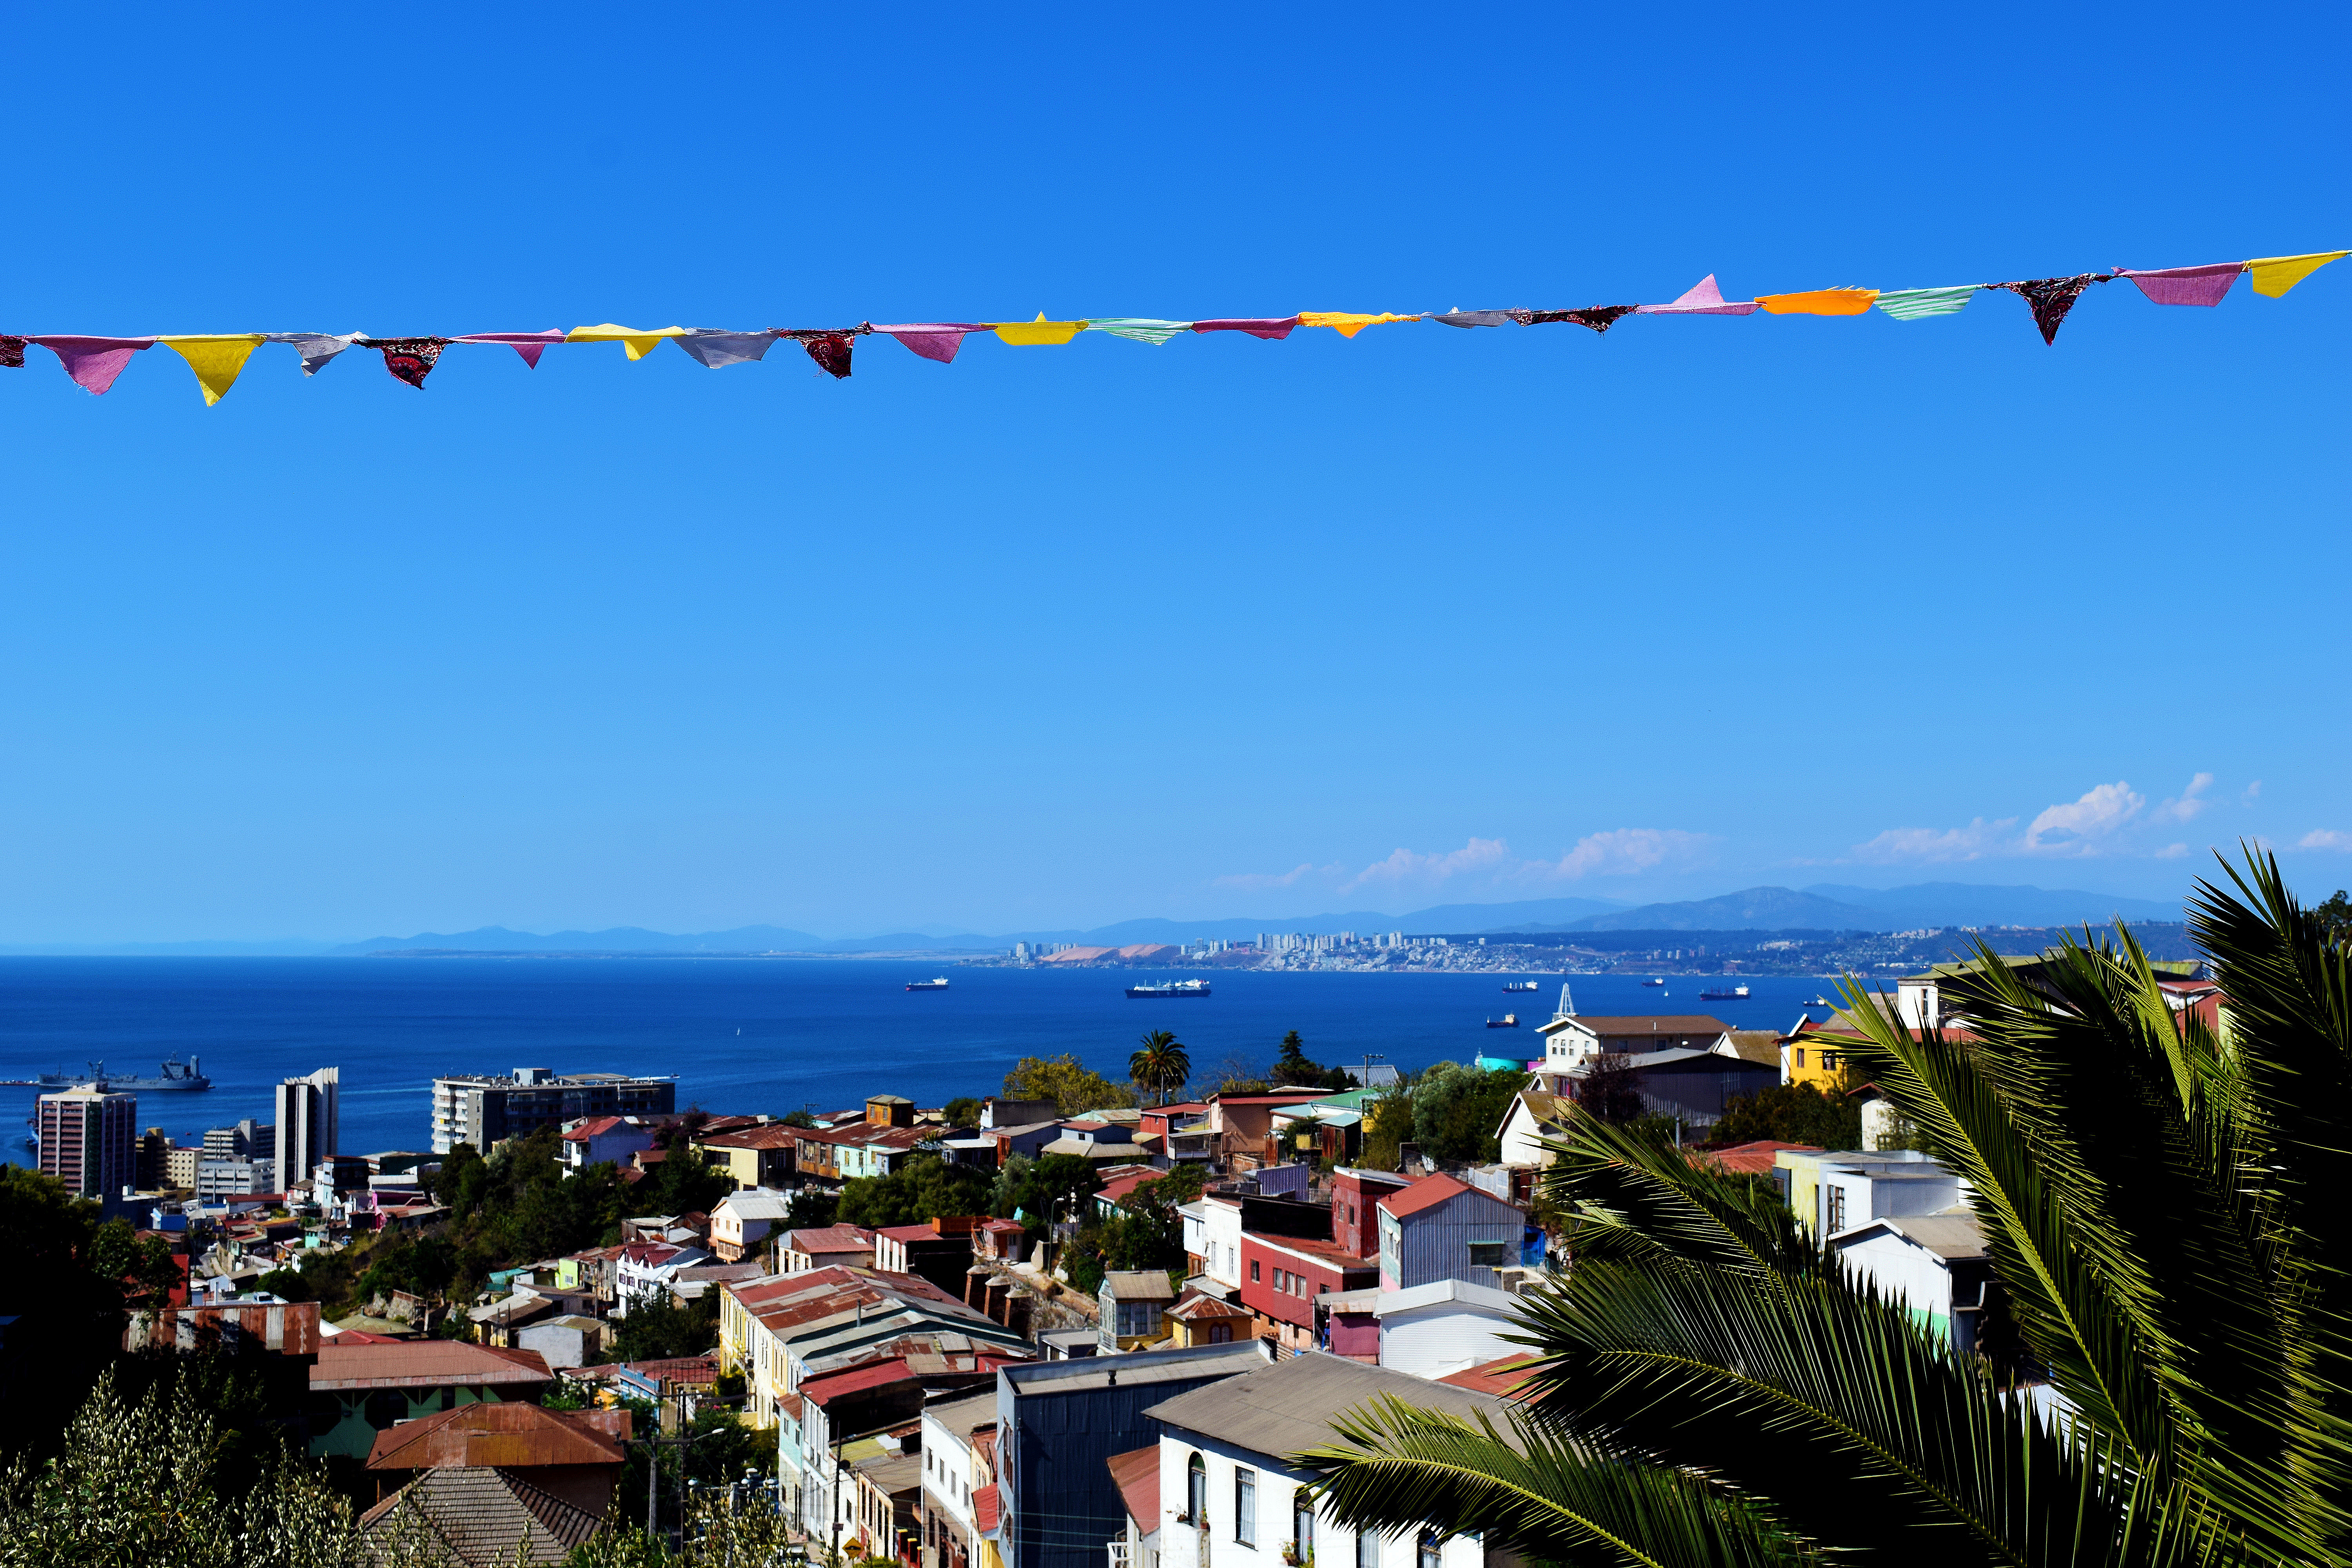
x: 174, y: 1074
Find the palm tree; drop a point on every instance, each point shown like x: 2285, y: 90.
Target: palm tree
x: 1161, y: 1064
x: 2163, y: 1204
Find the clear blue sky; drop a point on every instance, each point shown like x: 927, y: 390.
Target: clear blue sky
x: 1060, y: 636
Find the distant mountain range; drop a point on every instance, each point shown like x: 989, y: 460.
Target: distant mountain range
x: 1829, y: 906
x: 1823, y: 907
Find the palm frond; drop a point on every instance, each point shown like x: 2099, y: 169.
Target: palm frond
x: 1396, y: 1468
x: 1626, y: 1194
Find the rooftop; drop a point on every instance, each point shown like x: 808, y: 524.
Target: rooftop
x: 1427, y: 1193
x: 1136, y: 1473
x: 422, y: 1364
x: 1054, y: 1377
x: 831, y: 1239
x: 511, y: 1435
x: 1281, y: 1409
x: 1138, y: 1285
x: 488, y: 1515
x: 1619, y: 1024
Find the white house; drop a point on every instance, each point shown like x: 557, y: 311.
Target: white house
x: 646, y: 1268
x: 1227, y: 1491
x: 1436, y: 1330
x: 600, y: 1140
x: 1935, y: 1262
x: 1535, y: 1116
x: 743, y: 1219
x: 954, y: 1472
x: 1573, y: 1042
x: 1220, y: 1235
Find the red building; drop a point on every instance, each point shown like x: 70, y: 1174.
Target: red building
x: 1355, y: 1209
x: 1282, y: 1276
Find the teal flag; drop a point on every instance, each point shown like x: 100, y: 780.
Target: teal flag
x: 1142, y: 329
x: 1909, y: 304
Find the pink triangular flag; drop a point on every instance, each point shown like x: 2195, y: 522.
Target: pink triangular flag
x: 934, y: 340
x: 1703, y: 298
x: 2188, y: 285
x: 94, y: 363
x: 531, y: 345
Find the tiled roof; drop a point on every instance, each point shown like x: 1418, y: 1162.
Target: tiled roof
x: 594, y: 1127
x: 1426, y: 1192
x: 509, y: 1435
x: 484, y: 1516
x: 422, y: 1364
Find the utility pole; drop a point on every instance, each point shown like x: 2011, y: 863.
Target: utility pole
x: 652, y: 1447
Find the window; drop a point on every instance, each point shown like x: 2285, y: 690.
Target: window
x: 1487, y: 1254
x: 1430, y: 1546
x: 1368, y: 1550
x: 1302, y: 1524
x: 1221, y: 1333
x: 1801, y: 1055
x: 1837, y: 1210
x: 1254, y: 1271
x: 1244, y: 1506
x: 1196, y: 1493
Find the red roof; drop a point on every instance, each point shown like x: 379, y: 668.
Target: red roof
x: 986, y: 1507
x: 1426, y: 1192
x: 1136, y: 1473
x: 1118, y: 1188
x: 509, y: 1435
x: 1290, y: 1098
x: 855, y: 1379
x: 833, y: 1238
x: 1315, y: 1250
x: 909, y: 1233
x: 422, y: 1364
x: 1500, y: 1377
x: 595, y: 1127
x: 1749, y: 1159
x: 775, y: 1135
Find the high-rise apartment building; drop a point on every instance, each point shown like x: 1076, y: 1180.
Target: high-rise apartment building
x: 482, y: 1112
x: 307, y: 1113
x: 246, y: 1139
x: 89, y: 1140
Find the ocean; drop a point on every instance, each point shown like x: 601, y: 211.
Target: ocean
x: 743, y: 1036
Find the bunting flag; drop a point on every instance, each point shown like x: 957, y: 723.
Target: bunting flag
x: 2275, y: 274
x: 1818, y: 302
x: 317, y: 349
x: 2052, y: 298
x: 94, y: 363
x: 216, y: 360
x: 1141, y: 329
x: 1600, y: 318
x: 220, y: 358
x: 1703, y: 298
x: 715, y: 349
x: 1041, y: 332
x: 829, y: 349
x: 1347, y: 323
x: 409, y: 359
x: 934, y: 340
x: 638, y: 341
x: 1275, y: 327
x: 531, y: 345
x: 1910, y: 304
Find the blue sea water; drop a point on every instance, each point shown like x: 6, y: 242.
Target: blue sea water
x: 741, y: 1036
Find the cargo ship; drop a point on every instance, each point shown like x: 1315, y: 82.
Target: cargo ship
x: 1653, y: 983
x: 939, y: 985
x: 1169, y: 988
x: 1521, y: 985
x: 1737, y: 994
x: 174, y: 1074
x: 1507, y: 1021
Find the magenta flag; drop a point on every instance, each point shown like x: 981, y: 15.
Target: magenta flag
x: 1256, y: 327
x: 2187, y: 284
x: 932, y: 340
x: 531, y: 345
x: 94, y: 363
x: 1704, y: 299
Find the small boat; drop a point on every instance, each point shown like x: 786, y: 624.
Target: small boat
x: 1653, y: 983
x: 1737, y: 994
x: 1169, y: 988
x: 939, y: 985
x: 1520, y: 985
x: 1819, y: 1002
x: 1507, y: 1021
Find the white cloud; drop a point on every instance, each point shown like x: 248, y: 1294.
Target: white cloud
x: 1259, y: 880
x: 1403, y: 865
x: 2324, y: 838
x: 1620, y: 852
x: 2186, y: 804
x: 2254, y: 793
x: 2079, y: 827
x: 1899, y: 846
x: 2172, y: 852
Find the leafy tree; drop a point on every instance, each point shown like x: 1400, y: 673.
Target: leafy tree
x: 926, y: 1188
x: 1612, y: 1091
x: 1237, y: 1075
x: 802, y: 1118
x: 1791, y: 1114
x: 1292, y: 1067
x: 963, y: 1110
x: 1162, y: 1065
x: 1459, y: 1111
x: 1388, y: 1127
x: 813, y: 1209
x: 287, y: 1284
x: 2163, y: 1214
x: 1056, y: 1182
x: 1073, y: 1087
x: 1012, y: 1177
x: 657, y: 1329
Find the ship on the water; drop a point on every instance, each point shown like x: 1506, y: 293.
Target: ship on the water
x: 1507, y: 1021
x: 1169, y: 988
x: 939, y: 985
x: 1653, y: 983
x: 174, y: 1074
x: 1521, y: 985
x: 1737, y: 994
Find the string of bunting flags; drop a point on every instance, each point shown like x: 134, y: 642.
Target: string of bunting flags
x: 218, y: 358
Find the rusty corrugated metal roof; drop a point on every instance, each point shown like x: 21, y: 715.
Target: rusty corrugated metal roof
x: 507, y: 1435
x: 289, y: 1328
x: 423, y: 1364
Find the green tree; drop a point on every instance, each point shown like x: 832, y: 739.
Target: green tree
x: 1612, y: 1090
x: 657, y: 1329
x: 923, y: 1190
x: 1791, y: 1114
x: 2163, y: 1211
x: 963, y: 1111
x: 1459, y: 1111
x: 1388, y: 1127
x: 1163, y: 1065
x: 1073, y: 1087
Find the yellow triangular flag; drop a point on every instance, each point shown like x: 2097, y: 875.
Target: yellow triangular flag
x: 1032, y: 334
x: 638, y: 341
x: 216, y: 360
x: 1347, y: 323
x: 2275, y: 274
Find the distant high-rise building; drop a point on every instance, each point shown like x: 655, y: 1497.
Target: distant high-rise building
x: 483, y: 1111
x: 154, y: 1159
x: 179, y: 1167
x: 307, y: 1113
x: 241, y: 1142
x: 89, y: 1140
x: 219, y: 1177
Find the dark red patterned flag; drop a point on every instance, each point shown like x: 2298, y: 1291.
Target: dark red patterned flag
x: 829, y: 347
x: 2052, y: 298
x: 409, y: 359
x: 12, y: 353
x: 1600, y: 318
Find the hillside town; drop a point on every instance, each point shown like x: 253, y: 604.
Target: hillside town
x: 1073, y: 1322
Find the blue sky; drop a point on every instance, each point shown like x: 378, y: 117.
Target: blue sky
x: 1062, y: 636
